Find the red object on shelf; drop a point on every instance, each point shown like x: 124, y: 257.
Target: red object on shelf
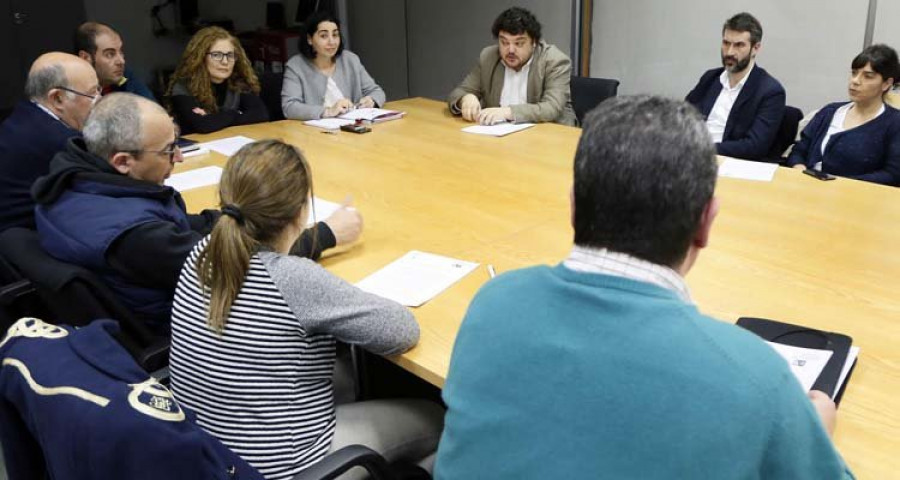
x: 269, y: 50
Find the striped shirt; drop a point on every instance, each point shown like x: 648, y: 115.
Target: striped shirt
x: 264, y: 387
x: 608, y: 262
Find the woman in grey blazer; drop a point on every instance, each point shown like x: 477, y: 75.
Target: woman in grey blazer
x: 325, y: 80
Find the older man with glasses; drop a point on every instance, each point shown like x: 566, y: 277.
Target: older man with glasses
x: 104, y: 205
x: 60, y: 91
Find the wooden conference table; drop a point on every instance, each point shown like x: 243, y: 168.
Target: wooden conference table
x: 822, y: 254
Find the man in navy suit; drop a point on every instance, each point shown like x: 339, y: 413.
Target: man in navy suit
x: 61, y: 89
x: 742, y: 103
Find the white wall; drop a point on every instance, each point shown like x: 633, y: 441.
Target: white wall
x: 144, y: 52
x: 662, y: 47
x: 887, y: 23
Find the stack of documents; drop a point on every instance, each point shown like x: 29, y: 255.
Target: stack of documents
x: 416, y: 277
x: 374, y: 115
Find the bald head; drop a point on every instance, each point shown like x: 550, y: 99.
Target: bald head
x: 56, y: 69
x: 64, y: 84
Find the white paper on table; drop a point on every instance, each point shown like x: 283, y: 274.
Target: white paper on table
x: 195, y: 152
x: 228, y: 146
x: 322, y: 209
x: 747, y: 170
x: 806, y: 363
x: 848, y: 363
x: 371, y: 114
x: 329, y: 123
x: 416, y: 277
x: 197, y: 178
x: 498, y: 130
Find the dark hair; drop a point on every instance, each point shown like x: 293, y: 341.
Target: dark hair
x: 516, y: 21
x: 86, y: 36
x: 311, y: 25
x: 883, y: 60
x: 744, y: 22
x: 645, y: 169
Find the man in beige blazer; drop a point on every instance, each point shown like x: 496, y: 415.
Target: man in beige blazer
x: 522, y: 79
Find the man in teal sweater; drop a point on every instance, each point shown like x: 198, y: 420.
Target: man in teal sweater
x: 601, y: 366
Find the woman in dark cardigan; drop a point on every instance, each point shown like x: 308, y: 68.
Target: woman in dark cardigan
x: 214, y: 86
x: 859, y: 139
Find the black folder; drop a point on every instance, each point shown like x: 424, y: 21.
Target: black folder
x: 799, y: 336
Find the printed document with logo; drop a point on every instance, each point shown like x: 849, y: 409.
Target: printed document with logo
x: 416, y: 277
x: 806, y: 363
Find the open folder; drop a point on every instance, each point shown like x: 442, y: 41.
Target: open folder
x: 839, y: 365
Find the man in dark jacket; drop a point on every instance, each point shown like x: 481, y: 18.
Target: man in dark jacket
x: 61, y: 89
x: 104, y: 206
x: 742, y: 103
x: 102, y: 46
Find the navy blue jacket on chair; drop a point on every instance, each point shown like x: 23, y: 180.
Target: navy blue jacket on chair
x: 755, y: 116
x: 76, y: 406
x: 869, y: 152
x: 29, y: 138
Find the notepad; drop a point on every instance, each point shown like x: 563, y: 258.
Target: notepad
x: 197, y: 178
x: 416, y: 277
x: 499, y: 130
x: 747, y: 170
x: 228, y: 146
x: 375, y: 115
x: 329, y: 123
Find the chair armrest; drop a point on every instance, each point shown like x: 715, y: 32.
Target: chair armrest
x: 11, y: 292
x: 335, y: 464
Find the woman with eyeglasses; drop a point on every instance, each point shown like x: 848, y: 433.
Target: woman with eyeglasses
x: 325, y: 80
x: 859, y: 139
x: 214, y: 86
x: 254, y: 331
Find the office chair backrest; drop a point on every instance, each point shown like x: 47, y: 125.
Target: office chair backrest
x: 787, y: 132
x: 588, y: 92
x: 270, y: 94
x: 75, y: 296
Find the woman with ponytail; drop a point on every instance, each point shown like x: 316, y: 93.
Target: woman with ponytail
x: 254, y: 331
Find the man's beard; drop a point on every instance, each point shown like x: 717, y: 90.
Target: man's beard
x: 739, y: 66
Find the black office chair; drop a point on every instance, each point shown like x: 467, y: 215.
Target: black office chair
x: 59, y: 292
x: 270, y: 94
x: 588, y: 92
x: 787, y: 132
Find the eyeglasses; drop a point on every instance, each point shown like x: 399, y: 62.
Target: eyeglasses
x: 171, y: 152
x: 221, y: 56
x: 94, y: 97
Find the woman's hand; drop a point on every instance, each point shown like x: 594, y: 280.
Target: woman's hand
x: 339, y: 108
x: 366, y: 102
